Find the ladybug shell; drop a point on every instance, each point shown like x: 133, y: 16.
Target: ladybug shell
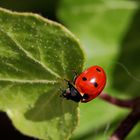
x: 91, y: 82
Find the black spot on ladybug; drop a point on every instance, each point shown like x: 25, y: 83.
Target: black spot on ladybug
x: 84, y: 78
x: 98, y: 69
x: 85, y: 96
x: 95, y: 84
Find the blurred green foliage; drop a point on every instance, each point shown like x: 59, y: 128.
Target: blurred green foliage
x: 109, y: 31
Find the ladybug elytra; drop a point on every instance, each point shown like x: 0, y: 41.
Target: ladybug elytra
x: 86, y: 86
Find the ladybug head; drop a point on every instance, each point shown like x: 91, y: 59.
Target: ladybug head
x: 71, y: 93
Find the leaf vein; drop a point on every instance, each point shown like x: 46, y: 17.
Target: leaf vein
x: 30, y: 56
x: 28, y: 81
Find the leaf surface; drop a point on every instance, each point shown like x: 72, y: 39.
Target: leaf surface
x: 36, y: 55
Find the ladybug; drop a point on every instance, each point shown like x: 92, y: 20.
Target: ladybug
x: 86, y: 86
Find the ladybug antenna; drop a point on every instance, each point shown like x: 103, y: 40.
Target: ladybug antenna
x: 66, y: 80
x: 75, y: 72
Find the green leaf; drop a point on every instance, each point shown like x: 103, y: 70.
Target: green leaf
x: 36, y: 55
x: 109, y: 31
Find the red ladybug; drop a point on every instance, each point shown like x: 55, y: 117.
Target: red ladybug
x: 88, y: 85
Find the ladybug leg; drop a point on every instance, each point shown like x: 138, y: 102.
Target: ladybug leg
x: 62, y: 91
x: 85, y: 98
x: 65, y: 94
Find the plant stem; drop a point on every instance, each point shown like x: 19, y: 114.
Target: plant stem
x: 126, y: 126
x: 130, y: 121
x: 116, y: 101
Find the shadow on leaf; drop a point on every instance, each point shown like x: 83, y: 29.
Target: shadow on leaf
x: 127, y: 71
x: 50, y: 106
